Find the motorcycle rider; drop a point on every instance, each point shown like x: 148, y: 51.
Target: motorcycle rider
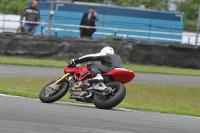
x: 109, y: 60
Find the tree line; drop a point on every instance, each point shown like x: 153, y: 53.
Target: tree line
x: 189, y: 7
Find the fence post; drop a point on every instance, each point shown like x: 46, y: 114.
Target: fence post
x: 198, y: 24
x: 4, y: 13
x: 50, y: 16
x: 189, y: 40
x: 42, y: 28
x: 115, y: 33
x: 56, y: 33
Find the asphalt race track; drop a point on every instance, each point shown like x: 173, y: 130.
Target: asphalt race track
x: 19, y: 115
x: 22, y: 115
x: 32, y: 71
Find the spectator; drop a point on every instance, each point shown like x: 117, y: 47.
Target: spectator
x: 31, y: 13
x: 146, y: 6
x: 88, y: 19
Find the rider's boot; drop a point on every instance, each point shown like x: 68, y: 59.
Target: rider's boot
x: 98, y: 78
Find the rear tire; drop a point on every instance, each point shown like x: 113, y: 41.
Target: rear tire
x: 111, y: 100
x: 63, y: 88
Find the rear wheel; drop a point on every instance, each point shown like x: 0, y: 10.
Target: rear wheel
x: 51, y: 93
x: 111, y: 100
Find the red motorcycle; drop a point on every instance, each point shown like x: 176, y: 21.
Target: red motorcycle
x: 77, y: 80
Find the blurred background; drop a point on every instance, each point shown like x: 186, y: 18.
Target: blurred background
x: 149, y: 20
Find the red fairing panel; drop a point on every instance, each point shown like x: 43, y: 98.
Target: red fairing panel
x: 79, y: 73
x: 71, y: 70
x: 121, y: 75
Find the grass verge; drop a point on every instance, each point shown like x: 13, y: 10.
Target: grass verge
x: 150, y: 97
x: 15, y: 60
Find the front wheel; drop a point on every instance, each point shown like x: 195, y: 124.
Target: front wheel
x: 111, y: 100
x: 49, y: 94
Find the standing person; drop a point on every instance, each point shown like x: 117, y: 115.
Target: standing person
x: 31, y: 13
x: 88, y: 19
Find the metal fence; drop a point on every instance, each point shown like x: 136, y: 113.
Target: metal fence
x: 62, y: 18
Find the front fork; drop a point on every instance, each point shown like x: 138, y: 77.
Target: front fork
x: 55, y: 86
x: 62, y: 78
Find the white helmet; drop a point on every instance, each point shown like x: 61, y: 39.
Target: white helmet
x: 107, y: 50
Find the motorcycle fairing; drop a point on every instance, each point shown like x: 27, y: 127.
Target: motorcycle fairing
x: 79, y: 73
x: 118, y: 74
x: 121, y: 75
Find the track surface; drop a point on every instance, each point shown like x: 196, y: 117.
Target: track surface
x: 31, y: 71
x: 21, y: 115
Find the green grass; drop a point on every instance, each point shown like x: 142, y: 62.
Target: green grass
x: 149, y: 97
x: 135, y: 67
x: 162, y: 69
x: 163, y: 98
x: 15, y: 60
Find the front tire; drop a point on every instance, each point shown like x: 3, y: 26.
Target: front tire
x: 55, y: 96
x: 111, y: 100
